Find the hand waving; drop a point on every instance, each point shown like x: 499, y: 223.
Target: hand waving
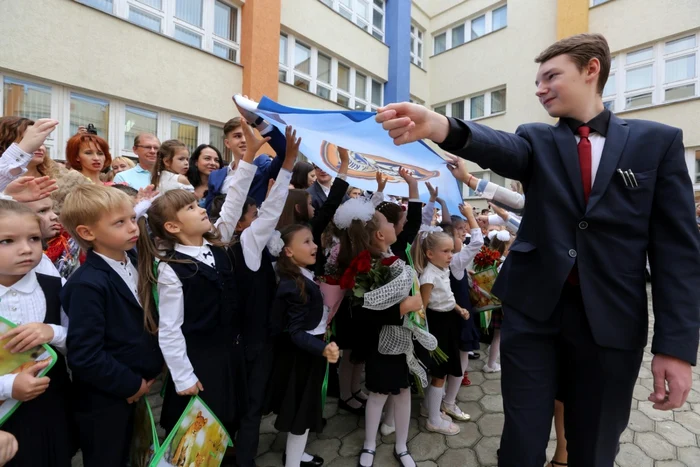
x: 292, y: 151
x: 28, y: 189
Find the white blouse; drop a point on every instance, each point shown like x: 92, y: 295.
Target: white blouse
x: 323, y: 324
x: 461, y: 261
x: 24, y: 302
x: 253, y: 240
x: 441, y: 297
x: 168, y: 181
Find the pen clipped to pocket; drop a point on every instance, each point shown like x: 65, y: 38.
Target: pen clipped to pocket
x: 628, y: 178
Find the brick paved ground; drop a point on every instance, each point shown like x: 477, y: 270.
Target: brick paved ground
x: 652, y: 439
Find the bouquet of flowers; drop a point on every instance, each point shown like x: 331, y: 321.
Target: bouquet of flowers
x: 486, y: 265
x: 377, y: 284
x: 329, y: 282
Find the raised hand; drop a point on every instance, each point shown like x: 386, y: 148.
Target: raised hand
x: 28, y: 189
x: 148, y: 192
x: 412, y: 183
x: 247, y: 115
x: 433, y: 191
x: 35, y: 135
x: 27, y: 386
x: 381, y: 181
x: 408, y: 122
x: 466, y: 210
x: 253, y: 143
x: 458, y: 167
x: 27, y: 336
x: 292, y: 151
x: 500, y: 212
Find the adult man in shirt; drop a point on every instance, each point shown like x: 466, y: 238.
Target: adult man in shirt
x: 146, y: 148
x: 573, y: 289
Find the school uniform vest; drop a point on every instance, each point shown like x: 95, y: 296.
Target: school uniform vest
x: 210, y: 299
x: 460, y: 289
x: 212, y: 328
x: 256, y: 302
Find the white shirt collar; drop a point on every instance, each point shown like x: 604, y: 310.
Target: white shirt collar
x: 439, y: 271
x: 25, y: 285
x: 114, y: 263
x: 192, y: 250
x: 308, y: 274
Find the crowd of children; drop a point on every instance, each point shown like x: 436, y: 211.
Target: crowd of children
x: 198, y: 281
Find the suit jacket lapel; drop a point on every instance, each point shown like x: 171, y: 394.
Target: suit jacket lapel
x: 119, y: 283
x: 566, y: 143
x: 615, y: 141
x: 321, y: 194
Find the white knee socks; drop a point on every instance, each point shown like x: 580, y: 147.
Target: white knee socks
x: 295, y: 449
x: 495, y: 347
x: 373, y: 416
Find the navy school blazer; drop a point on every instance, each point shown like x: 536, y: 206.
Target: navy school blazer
x: 109, y: 350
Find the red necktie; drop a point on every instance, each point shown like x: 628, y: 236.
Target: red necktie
x: 584, y: 159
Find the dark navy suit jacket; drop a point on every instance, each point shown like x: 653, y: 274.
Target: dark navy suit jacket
x: 609, y: 237
x: 268, y: 168
x: 109, y: 350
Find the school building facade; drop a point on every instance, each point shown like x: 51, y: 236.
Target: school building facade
x: 171, y: 66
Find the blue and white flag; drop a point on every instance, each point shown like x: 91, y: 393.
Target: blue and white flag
x: 370, y: 147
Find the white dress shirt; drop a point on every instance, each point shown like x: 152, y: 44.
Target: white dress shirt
x: 323, y: 324
x: 126, y: 271
x: 255, y: 237
x: 13, y: 163
x: 169, y: 181
x: 441, y: 297
x: 461, y: 261
x: 171, y: 305
x: 24, y: 302
x: 46, y: 267
x: 236, y: 195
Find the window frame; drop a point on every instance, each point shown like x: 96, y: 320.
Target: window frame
x: 467, y: 105
x: 418, y: 36
x: 332, y: 86
x: 467, y: 24
x: 60, y: 110
x: 617, y: 101
x: 169, y: 22
x: 351, y: 14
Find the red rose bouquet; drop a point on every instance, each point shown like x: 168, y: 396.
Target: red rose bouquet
x: 486, y: 265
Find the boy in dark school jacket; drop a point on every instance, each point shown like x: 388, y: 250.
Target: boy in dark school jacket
x: 112, y: 347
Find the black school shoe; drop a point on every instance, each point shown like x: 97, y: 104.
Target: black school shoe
x: 315, y: 462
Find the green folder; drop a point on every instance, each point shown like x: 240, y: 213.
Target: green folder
x: 199, y: 438
x: 13, y: 363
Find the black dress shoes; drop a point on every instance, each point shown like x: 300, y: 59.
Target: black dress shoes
x: 315, y: 462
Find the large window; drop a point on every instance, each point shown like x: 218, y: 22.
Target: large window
x: 138, y: 121
x: 307, y: 68
x: 654, y: 74
x: 116, y: 121
x: 211, y: 25
x: 85, y: 110
x: 480, y: 105
x: 470, y: 29
x: 416, y: 45
x: 367, y: 14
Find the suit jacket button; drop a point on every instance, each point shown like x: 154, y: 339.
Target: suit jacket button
x: 583, y: 225
x: 572, y: 253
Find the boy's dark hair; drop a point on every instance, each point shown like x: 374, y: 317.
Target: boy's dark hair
x: 231, y: 125
x: 581, y: 48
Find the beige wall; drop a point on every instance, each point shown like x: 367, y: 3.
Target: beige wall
x: 295, y: 97
x: 106, y: 55
x: 420, y: 85
x: 631, y: 23
x: 340, y: 37
x: 684, y: 115
x: 492, y: 61
x: 463, y: 10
